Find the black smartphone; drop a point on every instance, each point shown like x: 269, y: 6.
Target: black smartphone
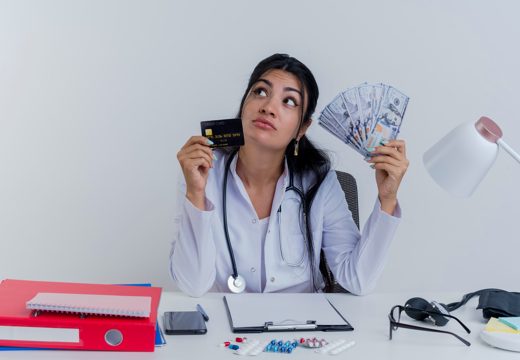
x: 184, y: 323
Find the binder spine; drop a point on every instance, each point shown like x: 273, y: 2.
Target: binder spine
x: 99, y: 335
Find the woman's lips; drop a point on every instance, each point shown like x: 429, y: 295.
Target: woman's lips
x: 264, y: 124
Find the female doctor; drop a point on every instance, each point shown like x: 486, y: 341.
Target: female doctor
x: 255, y: 218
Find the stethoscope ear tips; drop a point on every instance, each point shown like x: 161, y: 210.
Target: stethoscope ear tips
x: 236, y: 285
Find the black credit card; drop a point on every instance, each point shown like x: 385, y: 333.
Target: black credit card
x: 227, y: 132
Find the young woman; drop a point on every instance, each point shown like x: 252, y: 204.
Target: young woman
x: 256, y: 218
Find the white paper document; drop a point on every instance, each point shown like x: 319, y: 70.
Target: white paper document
x: 250, y: 312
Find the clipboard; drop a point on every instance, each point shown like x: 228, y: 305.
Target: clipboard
x: 255, y: 313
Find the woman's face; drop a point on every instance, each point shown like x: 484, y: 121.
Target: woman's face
x: 272, y: 110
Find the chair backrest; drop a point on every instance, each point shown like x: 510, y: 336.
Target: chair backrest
x: 349, y: 186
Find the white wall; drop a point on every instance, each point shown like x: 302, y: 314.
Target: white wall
x: 96, y: 97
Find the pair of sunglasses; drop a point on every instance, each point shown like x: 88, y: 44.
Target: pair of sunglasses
x: 395, y: 313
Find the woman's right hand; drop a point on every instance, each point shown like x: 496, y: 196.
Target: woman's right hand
x: 196, y: 158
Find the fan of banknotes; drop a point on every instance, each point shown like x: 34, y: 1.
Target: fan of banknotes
x: 365, y: 116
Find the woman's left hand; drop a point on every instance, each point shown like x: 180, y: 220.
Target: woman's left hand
x: 390, y: 163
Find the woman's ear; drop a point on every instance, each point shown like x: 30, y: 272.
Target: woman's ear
x: 304, y: 128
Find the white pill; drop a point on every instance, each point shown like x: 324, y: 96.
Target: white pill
x: 330, y: 346
x: 342, y: 348
x: 245, y: 349
x: 258, y: 349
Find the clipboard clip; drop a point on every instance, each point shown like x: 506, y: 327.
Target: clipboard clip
x: 290, y: 325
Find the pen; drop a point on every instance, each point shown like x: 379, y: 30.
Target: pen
x: 201, y: 310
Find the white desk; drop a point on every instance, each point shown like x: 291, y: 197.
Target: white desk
x: 368, y: 314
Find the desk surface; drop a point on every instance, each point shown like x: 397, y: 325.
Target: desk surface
x: 368, y: 314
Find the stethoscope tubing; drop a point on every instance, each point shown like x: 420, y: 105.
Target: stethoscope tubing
x: 224, y: 215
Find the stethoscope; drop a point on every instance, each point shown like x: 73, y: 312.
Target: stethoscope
x: 236, y: 283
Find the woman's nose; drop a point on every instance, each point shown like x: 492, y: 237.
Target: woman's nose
x: 268, y: 107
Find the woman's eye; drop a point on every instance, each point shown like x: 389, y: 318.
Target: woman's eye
x: 260, y: 92
x: 290, y: 102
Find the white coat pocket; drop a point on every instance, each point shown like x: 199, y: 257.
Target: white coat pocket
x: 293, y: 250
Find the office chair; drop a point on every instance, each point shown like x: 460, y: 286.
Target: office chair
x: 349, y: 186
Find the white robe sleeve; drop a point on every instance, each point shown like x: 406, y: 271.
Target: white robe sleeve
x: 193, y: 252
x: 356, y: 259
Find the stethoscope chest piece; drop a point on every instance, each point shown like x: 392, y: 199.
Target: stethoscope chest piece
x: 236, y: 285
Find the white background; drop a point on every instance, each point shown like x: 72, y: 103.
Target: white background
x: 96, y: 98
